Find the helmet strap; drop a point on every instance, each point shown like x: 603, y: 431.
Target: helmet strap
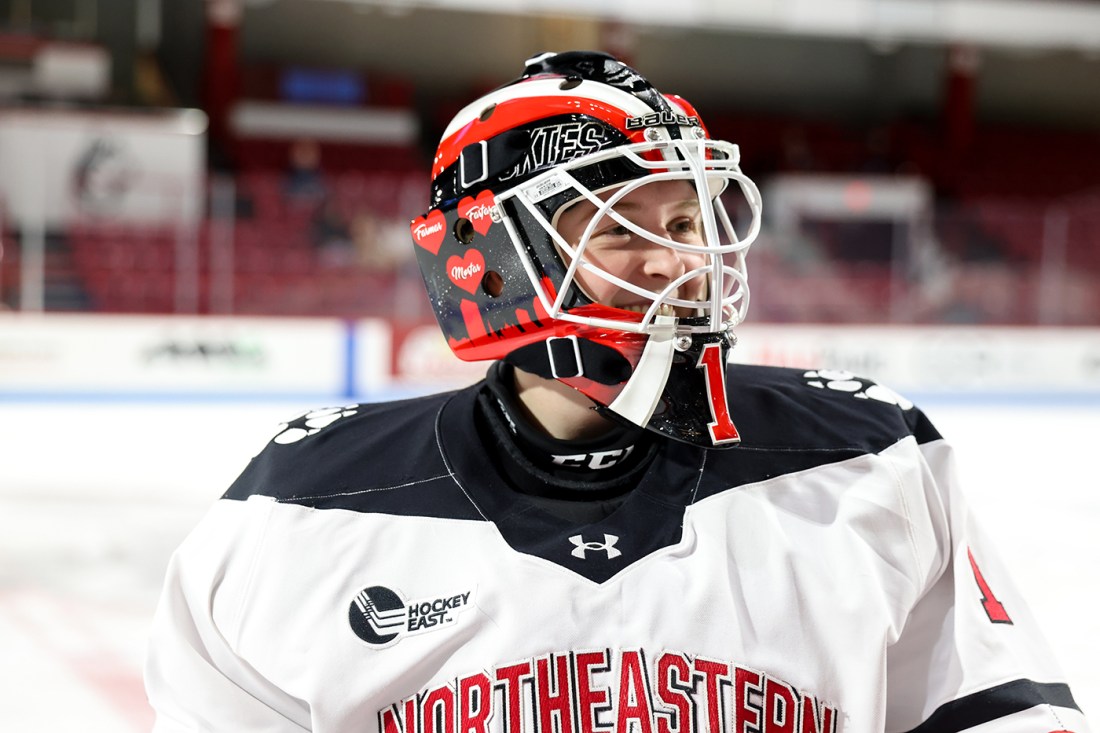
x: 559, y: 357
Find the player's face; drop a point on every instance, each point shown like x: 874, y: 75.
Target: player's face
x: 669, y: 209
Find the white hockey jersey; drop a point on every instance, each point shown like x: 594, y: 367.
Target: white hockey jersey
x: 370, y: 572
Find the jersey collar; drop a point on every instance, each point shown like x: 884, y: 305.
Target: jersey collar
x: 648, y: 520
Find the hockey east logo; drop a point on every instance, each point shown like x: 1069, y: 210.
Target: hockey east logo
x: 382, y: 617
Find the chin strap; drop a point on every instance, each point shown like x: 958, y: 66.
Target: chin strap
x: 571, y: 356
x: 639, y: 398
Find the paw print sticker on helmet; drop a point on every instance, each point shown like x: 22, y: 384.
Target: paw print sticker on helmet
x: 311, y: 422
x: 858, y: 387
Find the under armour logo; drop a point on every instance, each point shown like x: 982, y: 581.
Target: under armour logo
x: 608, y: 546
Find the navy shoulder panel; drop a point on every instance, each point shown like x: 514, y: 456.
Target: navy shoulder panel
x: 374, y: 457
x: 795, y: 419
x: 820, y: 409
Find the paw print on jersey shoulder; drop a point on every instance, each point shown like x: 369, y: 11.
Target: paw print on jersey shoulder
x: 858, y: 387
x: 311, y: 422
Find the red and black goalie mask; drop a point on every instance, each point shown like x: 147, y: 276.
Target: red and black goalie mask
x: 582, y: 128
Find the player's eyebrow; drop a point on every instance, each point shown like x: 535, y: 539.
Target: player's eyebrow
x: 634, y: 206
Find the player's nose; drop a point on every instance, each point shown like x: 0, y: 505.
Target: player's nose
x: 663, y: 262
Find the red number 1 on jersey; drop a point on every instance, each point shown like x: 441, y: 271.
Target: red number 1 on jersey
x: 722, y: 429
x: 993, y: 608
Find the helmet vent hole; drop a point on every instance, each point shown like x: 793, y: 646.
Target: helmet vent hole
x: 492, y: 284
x: 464, y: 230
x: 487, y: 112
x: 571, y: 82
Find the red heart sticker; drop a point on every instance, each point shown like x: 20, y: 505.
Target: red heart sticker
x: 466, y: 272
x: 477, y: 211
x: 428, y: 231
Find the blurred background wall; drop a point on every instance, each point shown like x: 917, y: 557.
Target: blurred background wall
x: 923, y: 162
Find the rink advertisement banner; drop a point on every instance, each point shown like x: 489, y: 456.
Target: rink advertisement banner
x: 943, y: 360
x: 370, y: 358
x: 946, y: 359
x: 421, y: 357
x: 57, y: 355
x: 127, y: 356
x: 62, y: 167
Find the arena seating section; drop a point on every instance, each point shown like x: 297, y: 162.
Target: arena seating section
x: 993, y: 203
x: 276, y: 266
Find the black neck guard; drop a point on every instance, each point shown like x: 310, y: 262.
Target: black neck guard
x: 571, y: 470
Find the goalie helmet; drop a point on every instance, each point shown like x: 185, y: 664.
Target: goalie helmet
x: 505, y: 284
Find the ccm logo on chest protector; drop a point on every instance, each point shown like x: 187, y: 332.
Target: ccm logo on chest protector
x: 381, y: 617
x: 597, y: 460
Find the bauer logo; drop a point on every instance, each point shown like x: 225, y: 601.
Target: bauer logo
x: 664, y: 118
x: 382, y: 617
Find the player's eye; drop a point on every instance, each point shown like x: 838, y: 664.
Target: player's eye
x: 613, y: 229
x: 685, y: 227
